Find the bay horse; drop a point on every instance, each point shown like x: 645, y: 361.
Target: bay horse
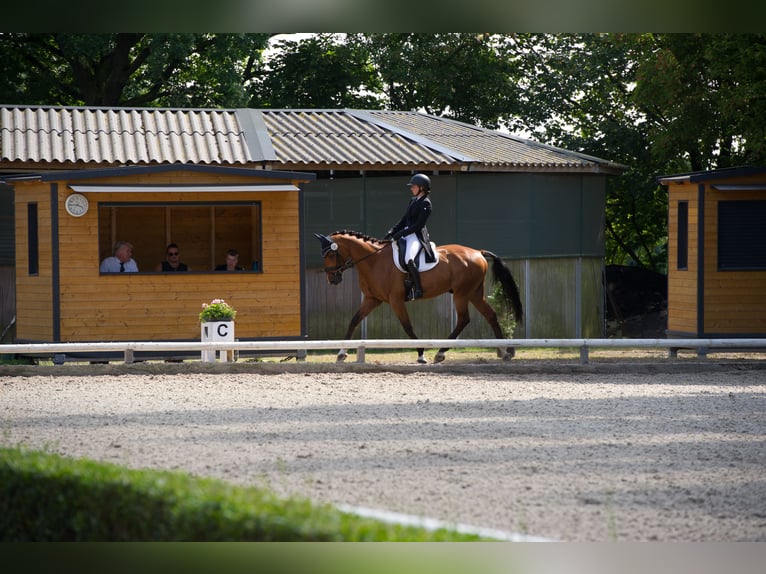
x: 460, y: 270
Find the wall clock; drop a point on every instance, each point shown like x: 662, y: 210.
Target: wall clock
x: 76, y: 205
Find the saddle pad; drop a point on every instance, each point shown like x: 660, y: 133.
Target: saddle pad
x: 423, y: 265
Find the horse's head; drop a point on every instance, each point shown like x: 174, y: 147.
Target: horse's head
x: 334, y: 266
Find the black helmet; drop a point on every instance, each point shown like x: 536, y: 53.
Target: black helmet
x: 421, y: 180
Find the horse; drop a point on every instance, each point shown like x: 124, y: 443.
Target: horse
x: 460, y: 270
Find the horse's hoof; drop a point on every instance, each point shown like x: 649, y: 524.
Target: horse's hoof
x: 439, y: 357
x: 340, y: 358
x: 506, y: 354
x: 422, y: 360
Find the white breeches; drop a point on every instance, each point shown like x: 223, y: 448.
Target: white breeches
x: 413, y: 248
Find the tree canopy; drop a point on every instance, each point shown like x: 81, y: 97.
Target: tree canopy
x: 658, y: 103
x: 129, y: 69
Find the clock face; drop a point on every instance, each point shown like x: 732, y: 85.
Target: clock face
x: 76, y: 205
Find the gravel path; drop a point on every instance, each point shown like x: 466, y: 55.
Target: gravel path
x: 626, y: 452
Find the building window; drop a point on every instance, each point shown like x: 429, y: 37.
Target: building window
x: 33, y: 239
x: 203, y: 232
x: 683, y: 235
x: 741, y: 235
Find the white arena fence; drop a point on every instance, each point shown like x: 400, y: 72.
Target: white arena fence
x: 59, y: 351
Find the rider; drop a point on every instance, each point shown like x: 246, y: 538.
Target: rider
x: 411, y: 233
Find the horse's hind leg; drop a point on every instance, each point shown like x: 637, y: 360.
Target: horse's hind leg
x: 489, y: 314
x: 368, y: 305
x: 404, y: 318
x: 463, y: 318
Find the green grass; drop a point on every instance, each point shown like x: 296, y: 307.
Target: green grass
x: 45, y: 497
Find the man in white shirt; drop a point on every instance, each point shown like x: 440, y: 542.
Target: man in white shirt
x: 121, y: 261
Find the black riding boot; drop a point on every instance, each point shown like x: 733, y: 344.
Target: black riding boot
x: 417, y: 292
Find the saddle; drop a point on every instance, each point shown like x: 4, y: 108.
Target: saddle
x: 421, y: 262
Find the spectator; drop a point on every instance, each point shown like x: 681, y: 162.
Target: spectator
x: 121, y: 260
x: 232, y: 262
x: 172, y: 260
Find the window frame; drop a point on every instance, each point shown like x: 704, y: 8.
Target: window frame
x: 251, y: 254
x: 741, y: 235
x: 682, y: 234
x: 33, y: 239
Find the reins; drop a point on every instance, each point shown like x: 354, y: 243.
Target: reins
x: 349, y: 263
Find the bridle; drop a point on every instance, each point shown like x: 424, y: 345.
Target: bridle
x: 340, y: 266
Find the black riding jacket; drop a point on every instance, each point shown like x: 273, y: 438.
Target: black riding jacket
x: 414, y: 221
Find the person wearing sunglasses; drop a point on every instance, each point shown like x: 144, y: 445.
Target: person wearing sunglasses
x: 172, y: 261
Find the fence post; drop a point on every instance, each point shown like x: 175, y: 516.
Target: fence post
x: 584, y: 355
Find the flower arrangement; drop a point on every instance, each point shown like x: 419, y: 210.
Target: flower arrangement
x: 217, y: 310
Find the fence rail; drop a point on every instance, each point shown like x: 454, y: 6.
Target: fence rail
x: 128, y: 348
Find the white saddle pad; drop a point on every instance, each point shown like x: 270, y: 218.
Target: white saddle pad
x: 423, y: 265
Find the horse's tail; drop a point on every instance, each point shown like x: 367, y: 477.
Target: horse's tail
x: 511, y: 295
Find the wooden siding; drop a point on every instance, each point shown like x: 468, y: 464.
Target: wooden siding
x: 34, y: 293
x: 682, y: 283
x: 156, y: 306
x: 732, y: 301
x: 735, y: 301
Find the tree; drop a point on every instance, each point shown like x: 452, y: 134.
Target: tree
x: 322, y: 71
x: 128, y: 69
x: 658, y: 103
x: 703, y: 95
x: 457, y: 75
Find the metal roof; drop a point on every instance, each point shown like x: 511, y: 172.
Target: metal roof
x: 119, y: 136
x: 50, y: 137
x: 714, y: 174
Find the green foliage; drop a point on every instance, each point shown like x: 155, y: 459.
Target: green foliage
x: 128, y: 69
x: 44, y: 497
x: 321, y: 71
x: 505, y: 317
x: 217, y: 310
x: 456, y: 75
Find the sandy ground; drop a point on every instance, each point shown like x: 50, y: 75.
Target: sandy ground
x: 625, y: 451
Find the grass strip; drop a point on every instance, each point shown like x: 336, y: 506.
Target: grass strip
x: 46, y: 497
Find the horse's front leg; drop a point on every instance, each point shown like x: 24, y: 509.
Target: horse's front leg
x: 369, y: 304
x: 404, y: 318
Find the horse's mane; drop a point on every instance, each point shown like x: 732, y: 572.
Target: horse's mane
x: 360, y: 235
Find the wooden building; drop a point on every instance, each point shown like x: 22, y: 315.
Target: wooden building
x: 61, y: 296
x: 717, y: 253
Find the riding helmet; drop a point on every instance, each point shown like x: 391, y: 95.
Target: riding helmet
x: 420, y: 179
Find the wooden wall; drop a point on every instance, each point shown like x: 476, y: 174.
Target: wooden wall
x: 733, y: 302
x: 682, y: 283
x: 155, y: 306
x: 34, y: 293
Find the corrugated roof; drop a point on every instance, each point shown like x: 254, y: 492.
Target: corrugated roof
x: 279, y: 139
x: 487, y: 147
x: 339, y: 138
x: 118, y: 136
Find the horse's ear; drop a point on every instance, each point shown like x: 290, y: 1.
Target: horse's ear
x: 327, y: 244
x: 323, y: 239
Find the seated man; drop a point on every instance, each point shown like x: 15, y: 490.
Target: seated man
x: 172, y: 261
x: 232, y: 262
x: 121, y: 261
